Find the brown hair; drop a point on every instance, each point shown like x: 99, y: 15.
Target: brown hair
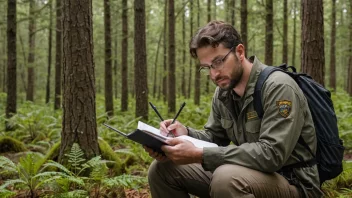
x: 214, y: 33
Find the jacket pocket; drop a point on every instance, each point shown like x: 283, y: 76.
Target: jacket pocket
x: 228, y: 125
x: 252, y: 130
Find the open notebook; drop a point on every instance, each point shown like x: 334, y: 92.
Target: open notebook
x: 152, y: 138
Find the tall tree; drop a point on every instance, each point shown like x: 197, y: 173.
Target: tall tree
x: 207, y: 90
x: 294, y: 32
x: 197, y: 74
x: 333, y: 47
x: 269, y: 32
x: 140, y: 60
x: 31, y: 54
x: 79, y: 118
x: 232, y: 11
x: 11, y: 105
x: 124, y: 57
x: 244, y: 14
x: 165, y: 54
x: 284, y: 42
x: 115, y: 58
x: 312, y: 42
x: 58, y: 55
x: 109, y: 105
x: 183, y: 83
x: 47, y: 95
x: 171, y: 77
x: 349, y: 78
x: 190, y: 60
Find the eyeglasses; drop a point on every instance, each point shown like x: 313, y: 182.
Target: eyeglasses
x: 217, y: 64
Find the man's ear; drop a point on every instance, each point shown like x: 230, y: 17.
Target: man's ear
x: 240, y: 52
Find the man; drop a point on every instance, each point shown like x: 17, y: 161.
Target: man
x: 255, y: 165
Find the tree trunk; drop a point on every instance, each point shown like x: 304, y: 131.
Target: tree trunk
x: 58, y: 56
x: 79, y: 117
x: 124, y: 57
x: 183, y: 83
x: 294, y: 32
x: 165, y: 55
x: 140, y: 60
x: 284, y: 42
x: 155, y: 76
x: 11, y: 105
x: 190, y: 60
x: 232, y: 11
x: 207, y: 89
x: 244, y: 14
x: 349, y: 76
x: 115, y: 63
x: 196, y: 73
x: 312, y: 58
x: 333, y: 47
x: 109, y: 106
x: 47, y: 96
x: 171, y: 77
x: 214, y: 9
x: 269, y: 32
x: 31, y: 54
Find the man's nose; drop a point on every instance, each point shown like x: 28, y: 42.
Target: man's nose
x: 214, y: 73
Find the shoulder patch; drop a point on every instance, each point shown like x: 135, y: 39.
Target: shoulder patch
x: 285, y: 107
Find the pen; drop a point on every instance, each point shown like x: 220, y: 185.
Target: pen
x: 178, y: 113
x: 156, y: 111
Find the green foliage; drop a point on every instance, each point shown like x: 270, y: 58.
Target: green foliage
x: 340, y: 186
x: 9, y: 144
x: 127, y: 181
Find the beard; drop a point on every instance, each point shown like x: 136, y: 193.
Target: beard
x: 235, y: 78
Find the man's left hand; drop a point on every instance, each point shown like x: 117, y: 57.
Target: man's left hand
x: 182, y: 151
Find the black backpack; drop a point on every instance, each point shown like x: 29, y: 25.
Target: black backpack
x: 330, y: 148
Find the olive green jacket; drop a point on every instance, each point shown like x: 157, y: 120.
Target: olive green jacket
x: 263, y: 144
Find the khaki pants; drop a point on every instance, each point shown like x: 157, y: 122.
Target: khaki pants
x: 169, y: 180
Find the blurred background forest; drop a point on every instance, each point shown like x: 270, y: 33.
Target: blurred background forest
x: 67, y: 66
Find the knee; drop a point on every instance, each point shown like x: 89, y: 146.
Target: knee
x: 157, y: 170
x: 228, y: 177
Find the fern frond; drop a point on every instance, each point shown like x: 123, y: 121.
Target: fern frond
x: 11, y: 182
x: 129, y: 181
x: 51, y: 163
x: 7, y: 164
x: 74, y: 194
x: 6, y: 193
x: 75, y: 157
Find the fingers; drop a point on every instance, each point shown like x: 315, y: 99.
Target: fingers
x: 155, y: 155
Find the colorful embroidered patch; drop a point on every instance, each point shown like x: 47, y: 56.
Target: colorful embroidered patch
x: 252, y: 115
x: 285, y: 107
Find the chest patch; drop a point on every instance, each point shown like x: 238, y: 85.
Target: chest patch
x: 285, y: 107
x: 251, y: 115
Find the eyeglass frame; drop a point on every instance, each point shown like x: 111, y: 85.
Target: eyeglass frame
x: 207, y: 68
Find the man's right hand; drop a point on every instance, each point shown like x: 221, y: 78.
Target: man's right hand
x: 159, y: 157
x: 176, y: 128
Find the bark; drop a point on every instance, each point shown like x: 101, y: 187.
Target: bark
x: 165, y: 55
x: 294, y: 32
x: 140, y: 60
x: 58, y: 56
x: 312, y: 42
x: 196, y: 73
x: 232, y: 11
x: 333, y: 47
x: 244, y: 14
x: 269, y: 32
x: 349, y: 76
x: 183, y: 83
x: 190, y: 60
x: 109, y: 106
x: 207, y: 90
x: 11, y: 104
x: 124, y: 57
x: 284, y: 42
x: 79, y: 117
x: 47, y: 96
x: 171, y: 77
x: 31, y: 54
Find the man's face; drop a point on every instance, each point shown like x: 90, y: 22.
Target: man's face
x: 229, y: 73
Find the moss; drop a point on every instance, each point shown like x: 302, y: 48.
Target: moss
x: 108, y: 154
x: 8, y: 144
x: 53, y: 153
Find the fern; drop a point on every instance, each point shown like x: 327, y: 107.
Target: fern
x: 6, y: 193
x: 128, y: 181
x: 75, y: 157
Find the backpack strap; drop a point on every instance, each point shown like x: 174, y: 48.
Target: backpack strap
x: 264, y: 74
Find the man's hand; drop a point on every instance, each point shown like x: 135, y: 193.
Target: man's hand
x: 182, y: 151
x: 159, y: 157
x: 176, y: 128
